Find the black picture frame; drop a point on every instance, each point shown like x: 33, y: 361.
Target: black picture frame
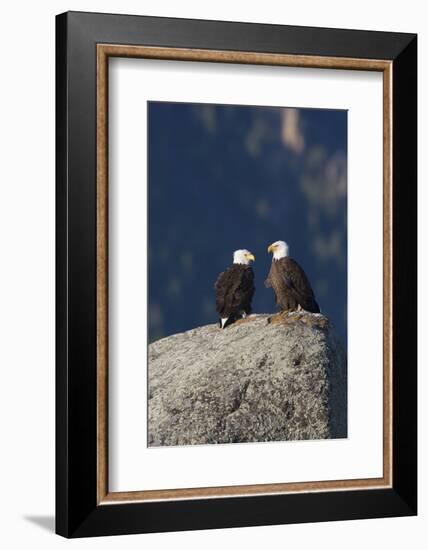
x: 77, y: 511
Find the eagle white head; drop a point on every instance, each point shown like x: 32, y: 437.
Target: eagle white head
x: 243, y: 257
x: 279, y: 250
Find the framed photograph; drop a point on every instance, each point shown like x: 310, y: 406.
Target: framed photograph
x: 236, y: 274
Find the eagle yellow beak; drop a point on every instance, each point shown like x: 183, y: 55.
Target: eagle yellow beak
x: 271, y: 248
x: 251, y: 257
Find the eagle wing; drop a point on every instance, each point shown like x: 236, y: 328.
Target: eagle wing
x: 234, y: 290
x: 298, y: 284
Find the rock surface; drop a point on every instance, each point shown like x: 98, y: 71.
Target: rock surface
x: 265, y: 378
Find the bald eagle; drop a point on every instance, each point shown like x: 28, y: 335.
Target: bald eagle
x: 289, y: 282
x: 234, y: 289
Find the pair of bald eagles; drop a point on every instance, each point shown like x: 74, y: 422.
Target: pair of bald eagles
x: 235, y: 287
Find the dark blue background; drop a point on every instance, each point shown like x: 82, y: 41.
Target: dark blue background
x: 227, y: 177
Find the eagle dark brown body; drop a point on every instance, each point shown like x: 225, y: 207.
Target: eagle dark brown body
x: 291, y: 286
x: 234, y: 290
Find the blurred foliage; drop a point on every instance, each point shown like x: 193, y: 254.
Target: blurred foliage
x: 226, y: 177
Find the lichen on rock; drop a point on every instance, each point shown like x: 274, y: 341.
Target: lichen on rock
x: 265, y: 378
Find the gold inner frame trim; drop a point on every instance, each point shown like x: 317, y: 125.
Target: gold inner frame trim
x: 104, y: 51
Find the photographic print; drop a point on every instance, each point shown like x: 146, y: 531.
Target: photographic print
x: 247, y: 269
x: 233, y: 248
